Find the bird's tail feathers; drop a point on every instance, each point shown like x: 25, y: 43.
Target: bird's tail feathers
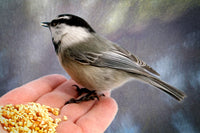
x: 174, y: 92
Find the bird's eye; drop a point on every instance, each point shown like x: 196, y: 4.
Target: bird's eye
x: 53, y: 24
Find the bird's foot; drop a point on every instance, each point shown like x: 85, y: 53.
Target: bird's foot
x: 81, y: 90
x: 90, y: 95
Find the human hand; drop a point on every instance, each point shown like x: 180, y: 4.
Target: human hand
x: 55, y: 90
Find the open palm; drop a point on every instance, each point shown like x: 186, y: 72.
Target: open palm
x: 55, y: 90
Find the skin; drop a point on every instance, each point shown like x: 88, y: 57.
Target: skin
x: 55, y: 90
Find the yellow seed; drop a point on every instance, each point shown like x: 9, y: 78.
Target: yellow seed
x: 57, y: 120
x: 64, y: 118
x: 20, y: 123
x: 37, y: 128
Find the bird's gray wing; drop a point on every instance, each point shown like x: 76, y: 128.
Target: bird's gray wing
x: 111, y: 59
x: 135, y: 59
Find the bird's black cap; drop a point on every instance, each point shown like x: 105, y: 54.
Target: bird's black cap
x: 71, y: 20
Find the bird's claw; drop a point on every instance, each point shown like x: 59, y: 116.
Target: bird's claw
x: 90, y: 95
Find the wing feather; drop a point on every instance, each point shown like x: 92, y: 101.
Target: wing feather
x: 136, y: 60
x: 111, y: 60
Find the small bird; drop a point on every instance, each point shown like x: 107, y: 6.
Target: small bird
x: 97, y: 63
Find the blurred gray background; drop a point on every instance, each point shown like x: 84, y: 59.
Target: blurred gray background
x: 164, y: 33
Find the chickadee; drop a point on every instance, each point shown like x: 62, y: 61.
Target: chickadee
x: 97, y: 63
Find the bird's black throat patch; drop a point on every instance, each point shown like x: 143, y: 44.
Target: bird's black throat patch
x: 56, y: 45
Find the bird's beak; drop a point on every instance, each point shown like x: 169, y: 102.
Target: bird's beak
x: 45, y: 24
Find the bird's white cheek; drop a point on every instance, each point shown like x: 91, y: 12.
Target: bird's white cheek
x: 56, y: 36
x: 74, y: 35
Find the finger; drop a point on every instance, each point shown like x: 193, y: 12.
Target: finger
x: 99, y: 117
x: 32, y: 90
x: 60, y: 95
x: 68, y: 127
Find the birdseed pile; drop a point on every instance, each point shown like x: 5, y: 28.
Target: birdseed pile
x: 29, y: 118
